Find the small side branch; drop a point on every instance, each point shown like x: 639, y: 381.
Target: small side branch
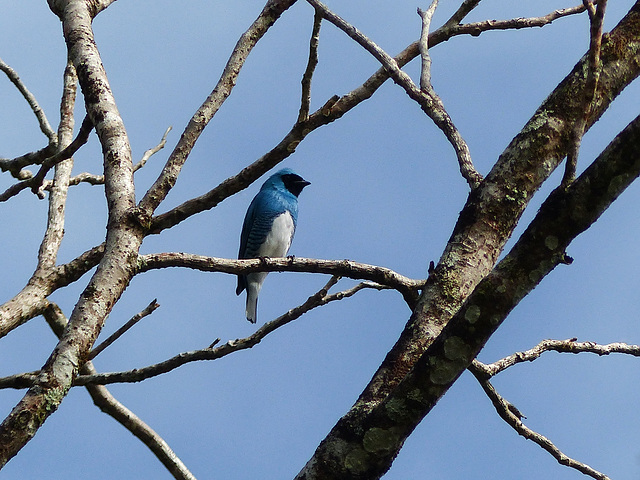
x: 37, y: 183
x: 510, y: 414
x: 123, y: 329
x: 305, y: 102
x: 423, y: 45
x: 596, y: 19
x: 561, y: 346
x: 45, y: 126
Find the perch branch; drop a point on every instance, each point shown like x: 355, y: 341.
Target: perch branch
x: 346, y: 268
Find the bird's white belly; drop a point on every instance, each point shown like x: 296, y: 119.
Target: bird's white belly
x: 278, y: 240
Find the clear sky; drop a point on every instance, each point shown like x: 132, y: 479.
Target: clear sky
x: 385, y: 190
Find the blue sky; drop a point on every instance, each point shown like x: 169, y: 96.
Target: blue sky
x: 385, y: 190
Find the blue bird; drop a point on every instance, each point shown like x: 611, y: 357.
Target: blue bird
x: 268, y: 229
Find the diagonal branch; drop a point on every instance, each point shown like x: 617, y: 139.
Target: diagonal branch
x: 335, y: 108
x: 510, y: 415
x: 168, y: 177
x: 45, y: 126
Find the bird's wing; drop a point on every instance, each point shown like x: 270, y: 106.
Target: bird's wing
x: 257, y: 223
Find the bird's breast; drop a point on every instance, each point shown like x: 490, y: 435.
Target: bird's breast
x: 278, y: 240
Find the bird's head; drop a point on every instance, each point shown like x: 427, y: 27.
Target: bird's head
x: 286, y: 179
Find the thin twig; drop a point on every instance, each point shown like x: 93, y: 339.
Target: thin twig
x: 425, y: 74
x: 320, y: 298
x: 513, y: 417
x: 596, y: 19
x: 149, y: 309
x: 152, y: 151
x: 305, y: 102
x: 45, y: 126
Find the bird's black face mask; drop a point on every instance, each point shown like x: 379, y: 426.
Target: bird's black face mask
x: 294, y: 183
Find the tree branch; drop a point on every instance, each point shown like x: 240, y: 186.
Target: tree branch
x: 149, y: 309
x: 159, y: 190
x: 508, y: 413
x: 344, y: 268
x: 561, y: 346
x: 596, y: 19
x: 332, y: 110
x: 305, y: 101
x: 45, y: 126
x: 443, y: 335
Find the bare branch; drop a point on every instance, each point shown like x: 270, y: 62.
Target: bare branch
x: 562, y: 346
x: 318, y: 299
x: 152, y: 151
x: 45, y: 126
x: 596, y: 19
x: 108, y: 404
x: 511, y: 415
x: 425, y: 75
x: 305, y: 102
x: 37, y: 182
x: 428, y: 101
x: 149, y: 309
x: 344, y: 268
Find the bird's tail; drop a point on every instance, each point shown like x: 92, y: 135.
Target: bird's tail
x: 252, y: 302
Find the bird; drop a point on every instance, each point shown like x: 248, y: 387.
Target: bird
x: 268, y: 228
